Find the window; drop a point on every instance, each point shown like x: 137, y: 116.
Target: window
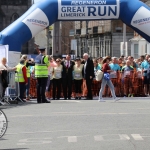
x: 95, y: 29
x: 14, y: 2
x: 136, y: 50
x: 78, y: 31
x: 14, y: 17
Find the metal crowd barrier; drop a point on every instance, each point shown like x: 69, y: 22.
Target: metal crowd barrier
x: 121, y: 81
x: 13, y: 89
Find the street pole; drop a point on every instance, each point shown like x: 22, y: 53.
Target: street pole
x: 86, y: 38
x: 47, y: 34
x: 124, y: 39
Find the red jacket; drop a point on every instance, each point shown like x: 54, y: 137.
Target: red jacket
x: 106, y: 67
x: 24, y: 71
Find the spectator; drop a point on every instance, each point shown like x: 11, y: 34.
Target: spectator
x: 50, y: 76
x: 132, y: 63
x: 67, y: 77
x: 28, y: 64
x: 88, y: 74
x: 21, y: 77
x: 78, y: 77
x: 114, y: 75
x: 57, y: 79
x: 96, y: 84
x: 100, y: 61
x: 120, y: 62
x: 128, y: 77
x: 145, y: 65
x: 4, y: 74
x: 142, y: 58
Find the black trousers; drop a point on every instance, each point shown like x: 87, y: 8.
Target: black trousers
x: 3, y: 92
x: 57, y: 85
x: 78, y: 84
x: 67, y: 87
x: 41, y: 87
x: 89, y: 88
x: 22, y: 87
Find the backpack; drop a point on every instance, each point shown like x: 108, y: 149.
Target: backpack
x: 98, y: 75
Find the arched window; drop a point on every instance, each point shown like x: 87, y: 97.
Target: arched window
x: 14, y: 17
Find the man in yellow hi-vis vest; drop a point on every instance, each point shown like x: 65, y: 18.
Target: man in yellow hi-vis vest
x: 41, y: 73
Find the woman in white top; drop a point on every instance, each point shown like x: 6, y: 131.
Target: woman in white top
x: 78, y: 77
x: 4, y: 67
x: 50, y: 77
x: 57, y: 79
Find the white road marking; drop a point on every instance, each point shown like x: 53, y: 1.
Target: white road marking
x: 124, y: 137
x: 98, y: 138
x: 70, y: 101
x: 137, y: 137
x: 34, y: 141
x: 72, y: 139
x: 21, y: 116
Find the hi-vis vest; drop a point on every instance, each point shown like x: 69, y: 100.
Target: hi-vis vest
x: 78, y: 72
x: 28, y: 72
x: 41, y: 69
x: 57, y: 72
x: 19, y: 75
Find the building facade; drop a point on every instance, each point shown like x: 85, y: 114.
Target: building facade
x: 101, y: 38
x: 10, y: 10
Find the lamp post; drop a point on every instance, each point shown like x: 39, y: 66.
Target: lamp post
x: 124, y: 39
x: 86, y: 38
x: 49, y: 37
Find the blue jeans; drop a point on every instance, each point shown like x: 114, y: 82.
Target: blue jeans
x: 111, y: 86
x: 48, y: 83
x: 28, y: 88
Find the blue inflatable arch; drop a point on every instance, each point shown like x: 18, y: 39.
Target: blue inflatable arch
x: 134, y: 13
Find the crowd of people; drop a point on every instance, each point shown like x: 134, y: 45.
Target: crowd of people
x: 66, y: 78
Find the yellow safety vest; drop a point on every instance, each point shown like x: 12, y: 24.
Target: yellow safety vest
x: 41, y: 70
x: 28, y: 72
x: 19, y: 75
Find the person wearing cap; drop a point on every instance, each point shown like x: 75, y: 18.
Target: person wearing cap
x: 78, y: 77
x: 67, y: 76
x: 41, y: 73
x: 106, y: 80
x: 21, y: 77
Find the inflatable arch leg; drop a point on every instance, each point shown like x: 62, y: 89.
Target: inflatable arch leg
x: 134, y: 13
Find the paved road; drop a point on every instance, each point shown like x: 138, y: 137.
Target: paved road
x: 78, y: 125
